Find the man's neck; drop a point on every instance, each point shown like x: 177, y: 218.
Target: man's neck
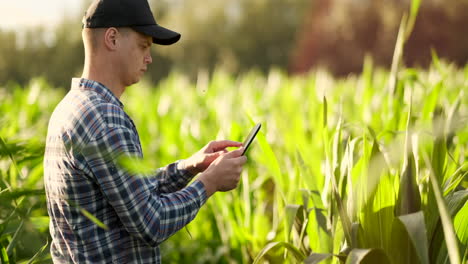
x: 104, y: 74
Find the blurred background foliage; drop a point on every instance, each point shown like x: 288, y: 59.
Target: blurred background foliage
x: 241, y: 35
x: 365, y: 168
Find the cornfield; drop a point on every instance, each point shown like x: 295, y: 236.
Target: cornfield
x: 342, y: 170
x: 371, y: 168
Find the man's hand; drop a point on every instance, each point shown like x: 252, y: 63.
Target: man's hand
x: 224, y: 173
x: 200, y: 161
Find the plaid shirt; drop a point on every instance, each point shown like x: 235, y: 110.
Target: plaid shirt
x: 87, y: 132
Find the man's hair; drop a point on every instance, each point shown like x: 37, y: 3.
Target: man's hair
x: 93, y: 36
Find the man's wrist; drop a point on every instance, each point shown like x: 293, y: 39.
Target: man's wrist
x: 209, y: 188
x: 182, y: 165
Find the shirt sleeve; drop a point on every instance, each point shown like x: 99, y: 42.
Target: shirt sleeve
x: 171, y: 178
x: 146, y: 211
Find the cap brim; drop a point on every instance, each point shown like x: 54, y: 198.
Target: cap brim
x: 160, y: 35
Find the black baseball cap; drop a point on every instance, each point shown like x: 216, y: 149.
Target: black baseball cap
x: 135, y: 14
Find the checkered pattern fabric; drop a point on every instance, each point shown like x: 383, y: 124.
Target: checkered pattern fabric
x: 88, y: 134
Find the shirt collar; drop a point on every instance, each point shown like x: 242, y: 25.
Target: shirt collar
x: 101, y: 89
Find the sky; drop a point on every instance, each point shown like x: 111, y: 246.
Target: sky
x: 15, y: 15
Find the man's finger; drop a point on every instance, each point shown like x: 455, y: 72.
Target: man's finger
x: 222, y: 144
x: 235, y: 153
x: 214, y: 155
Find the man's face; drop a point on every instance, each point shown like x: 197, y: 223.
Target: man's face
x: 135, y: 56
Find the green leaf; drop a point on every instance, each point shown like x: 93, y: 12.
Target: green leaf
x: 457, y: 177
x: 4, y: 149
x: 305, y: 198
x: 367, y: 256
x: 415, y: 7
x: 38, y: 253
x: 416, y: 229
x: 415, y: 4
x: 456, y: 200
x: 17, y: 193
x: 438, y: 249
x: 375, y: 169
x: 316, y: 258
x: 93, y: 219
x: 4, y: 256
x: 320, y: 237
x: 355, y: 228
x: 136, y: 165
x: 293, y: 212
x: 342, y: 210
x: 15, y: 238
x: 324, y: 114
x: 270, y: 157
x: 273, y: 245
x: 40, y: 222
x: 439, y: 152
x: 449, y: 232
x: 375, y: 228
x: 409, y: 198
x: 460, y: 223
x: 430, y: 101
x: 397, y: 55
x: 452, y: 123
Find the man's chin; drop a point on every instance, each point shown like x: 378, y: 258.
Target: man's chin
x: 139, y: 77
x: 134, y: 81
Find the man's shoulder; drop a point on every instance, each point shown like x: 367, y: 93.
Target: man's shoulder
x: 85, y: 113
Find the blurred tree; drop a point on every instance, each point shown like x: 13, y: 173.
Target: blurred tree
x: 441, y: 26
x: 338, y: 34
x: 8, y: 51
x: 36, y: 52
x: 235, y: 35
x: 239, y: 35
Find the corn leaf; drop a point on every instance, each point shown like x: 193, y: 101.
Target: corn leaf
x: 324, y: 113
x: 416, y: 229
x: 274, y: 245
x: 460, y: 224
x: 40, y: 222
x: 136, y: 165
x: 397, y: 54
x: 94, y: 219
x: 316, y: 258
x: 38, y: 253
x: 294, y: 213
x: 409, y: 199
x: 449, y: 232
x: 438, y: 248
x: 456, y: 200
x: 332, y: 174
x: 415, y: 4
x: 439, y: 152
x: 15, y: 238
x: 457, y: 177
x: 364, y: 256
x: 4, y: 256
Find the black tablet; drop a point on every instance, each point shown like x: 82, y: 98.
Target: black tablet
x: 251, y: 137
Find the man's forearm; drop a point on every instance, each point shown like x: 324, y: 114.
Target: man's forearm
x: 182, y: 165
x: 173, y: 177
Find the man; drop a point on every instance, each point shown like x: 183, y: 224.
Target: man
x: 88, y: 134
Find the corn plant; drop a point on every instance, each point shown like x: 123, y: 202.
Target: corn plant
x: 365, y: 169
x: 341, y: 171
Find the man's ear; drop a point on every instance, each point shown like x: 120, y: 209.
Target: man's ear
x: 110, y: 38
